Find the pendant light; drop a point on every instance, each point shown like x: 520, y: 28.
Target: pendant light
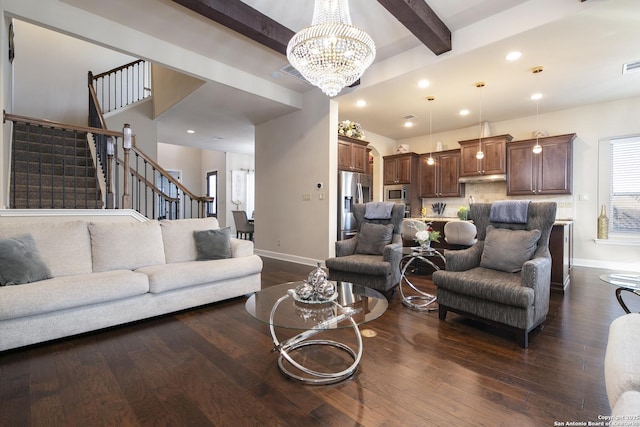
x: 331, y: 53
x: 430, y: 160
x: 480, y: 154
x: 537, y: 149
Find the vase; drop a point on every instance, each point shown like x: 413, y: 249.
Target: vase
x: 425, y: 246
x: 603, y: 224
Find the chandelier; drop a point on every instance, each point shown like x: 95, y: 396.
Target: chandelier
x: 331, y: 53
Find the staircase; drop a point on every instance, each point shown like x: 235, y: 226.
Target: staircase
x: 52, y: 168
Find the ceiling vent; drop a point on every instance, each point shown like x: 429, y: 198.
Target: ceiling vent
x: 631, y: 67
x: 291, y: 71
x: 409, y: 117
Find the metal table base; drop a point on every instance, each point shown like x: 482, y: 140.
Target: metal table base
x: 300, y: 341
x: 423, y: 301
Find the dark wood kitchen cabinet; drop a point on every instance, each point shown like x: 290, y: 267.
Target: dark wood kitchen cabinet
x: 352, y: 154
x: 494, y: 161
x: 442, y: 178
x: 545, y: 173
x: 400, y: 168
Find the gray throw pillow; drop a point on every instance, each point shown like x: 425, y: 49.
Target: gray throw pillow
x: 506, y: 250
x: 20, y: 261
x: 213, y: 244
x: 372, y: 238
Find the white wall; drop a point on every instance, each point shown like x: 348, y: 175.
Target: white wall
x: 293, y: 154
x: 591, y: 123
x: 48, y: 64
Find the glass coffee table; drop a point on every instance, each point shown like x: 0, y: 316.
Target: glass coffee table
x: 279, y: 307
x: 628, y: 282
x: 421, y: 301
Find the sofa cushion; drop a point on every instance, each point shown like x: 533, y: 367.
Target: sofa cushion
x: 372, y: 238
x: 177, y: 235
x: 163, y: 278
x: 126, y: 245
x: 213, y: 244
x: 372, y: 265
x: 67, y: 292
x: 487, y: 284
x: 20, y: 261
x: 506, y: 250
x: 57, y: 243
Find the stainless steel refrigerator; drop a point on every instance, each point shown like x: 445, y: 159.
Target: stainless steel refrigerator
x: 352, y: 188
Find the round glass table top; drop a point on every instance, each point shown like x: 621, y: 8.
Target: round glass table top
x: 274, y: 305
x: 622, y: 280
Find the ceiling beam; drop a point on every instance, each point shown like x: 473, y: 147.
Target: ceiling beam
x: 243, y: 19
x: 422, y: 21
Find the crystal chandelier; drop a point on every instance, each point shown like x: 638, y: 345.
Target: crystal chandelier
x: 331, y: 53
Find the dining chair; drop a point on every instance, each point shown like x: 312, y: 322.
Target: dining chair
x: 244, y: 229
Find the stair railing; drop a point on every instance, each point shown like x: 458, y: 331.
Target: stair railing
x: 122, y: 86
x: 130, y: 184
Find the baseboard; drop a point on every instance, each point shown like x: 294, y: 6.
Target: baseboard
x: 607, y: 265
x: 287, y: 257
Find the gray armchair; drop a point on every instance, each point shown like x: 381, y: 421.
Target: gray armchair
x: 504, y: 279
x: 378, y: 269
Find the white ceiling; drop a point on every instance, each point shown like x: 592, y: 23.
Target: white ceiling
x: 581, y: 45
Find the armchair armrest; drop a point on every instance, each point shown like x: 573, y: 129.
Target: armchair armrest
x: 346, y: 247
x: 536, y: 273
x: 392, y: 253
x: 464, y: 259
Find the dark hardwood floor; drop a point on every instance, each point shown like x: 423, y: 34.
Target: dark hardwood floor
x: 212, y: 366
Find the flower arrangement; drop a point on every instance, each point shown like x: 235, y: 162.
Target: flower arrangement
x: 463, y: 213
x: 425, y: 233
x: 350, y: 129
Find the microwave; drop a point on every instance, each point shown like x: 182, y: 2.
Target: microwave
x: 396, y: 193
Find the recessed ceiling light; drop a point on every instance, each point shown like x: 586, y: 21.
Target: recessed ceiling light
x: 408, y: 124
x: 512, y: 56
x: 361, y: 103
x: 423, y: 83
x: 191, y: 131
x: 464, y: 112
x: 536, y: 96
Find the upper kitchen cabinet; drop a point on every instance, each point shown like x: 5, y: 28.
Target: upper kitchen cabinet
x: 494, y: 161
x: 400, y: 168
x: 352, y: 154
x: 441, y: 179
x: 548, y: 172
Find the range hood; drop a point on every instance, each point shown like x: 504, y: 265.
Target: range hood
x: 482, y: 178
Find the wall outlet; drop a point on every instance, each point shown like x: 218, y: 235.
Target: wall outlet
x: 306, y: 197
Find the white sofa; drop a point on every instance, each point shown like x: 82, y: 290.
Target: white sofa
x: 622, y: 369
x: 111, y: 273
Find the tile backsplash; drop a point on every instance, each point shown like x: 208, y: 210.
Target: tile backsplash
x: 488, y: 192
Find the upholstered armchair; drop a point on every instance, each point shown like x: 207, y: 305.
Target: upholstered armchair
x: 372, y: 257
x: 504, y: 278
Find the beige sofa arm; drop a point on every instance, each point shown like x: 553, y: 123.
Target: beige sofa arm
x: 241, y: 248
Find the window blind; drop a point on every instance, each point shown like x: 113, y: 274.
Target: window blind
x: 624, y: 192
